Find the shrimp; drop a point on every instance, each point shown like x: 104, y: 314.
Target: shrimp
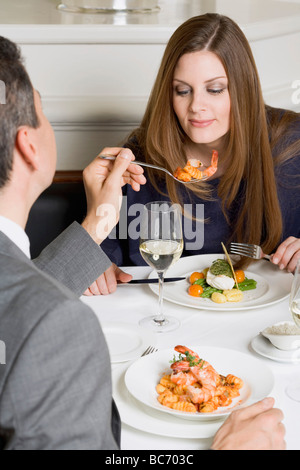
x: 195, y: 163
x: 201, y: 371
x: 210, y: 171
x: 208, y: 378
x: 180, y: 366
x: 181, y: 369
x: 184, y: 350
x: 183, y: 378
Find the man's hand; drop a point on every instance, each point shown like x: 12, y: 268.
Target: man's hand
x: 257, y: 427
x: 103, y: 180
x: 107, y: 282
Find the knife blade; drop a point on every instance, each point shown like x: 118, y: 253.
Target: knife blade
x: 152, y: 281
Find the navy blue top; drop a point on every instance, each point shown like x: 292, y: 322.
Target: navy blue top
x: 122, y: 247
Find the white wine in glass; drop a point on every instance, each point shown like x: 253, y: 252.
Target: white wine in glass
x: 161, y: 245
x: 293, y: 390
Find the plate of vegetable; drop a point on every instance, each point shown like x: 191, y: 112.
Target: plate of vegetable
x: 210, y: 284
x: 220, y: 284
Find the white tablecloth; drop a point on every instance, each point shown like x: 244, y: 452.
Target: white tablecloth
x: 208, y: 328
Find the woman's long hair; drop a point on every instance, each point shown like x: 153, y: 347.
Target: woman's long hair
x: 248, y: 156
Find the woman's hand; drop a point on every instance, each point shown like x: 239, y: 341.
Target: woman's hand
x: 107, y: 282
x: 287, y: 254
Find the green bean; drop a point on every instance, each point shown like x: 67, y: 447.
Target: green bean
x: 200, y: 282
x: 247, y: 284
x: 207, y: 293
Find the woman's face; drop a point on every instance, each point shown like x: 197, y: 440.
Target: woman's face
x: 201, y: 99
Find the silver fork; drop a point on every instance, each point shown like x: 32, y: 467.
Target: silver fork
x: 248, y: 250
x: 149, y: 350
x: 148, y: 165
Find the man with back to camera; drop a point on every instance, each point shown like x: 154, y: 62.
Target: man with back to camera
x: 55, y: 389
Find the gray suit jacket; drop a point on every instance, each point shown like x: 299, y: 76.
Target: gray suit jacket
x: 55, y: 389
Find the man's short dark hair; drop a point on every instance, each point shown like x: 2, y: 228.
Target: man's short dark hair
x: 19, y: 109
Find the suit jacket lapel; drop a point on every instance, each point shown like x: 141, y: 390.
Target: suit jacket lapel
x: 8, y: 248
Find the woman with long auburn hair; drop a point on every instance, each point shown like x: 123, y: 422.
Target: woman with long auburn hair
x: 207, y: 96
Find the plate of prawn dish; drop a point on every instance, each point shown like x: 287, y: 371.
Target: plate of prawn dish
x: 202, y: 383
x: 211, y: 284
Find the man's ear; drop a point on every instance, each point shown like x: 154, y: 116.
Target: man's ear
x: 26, y: 146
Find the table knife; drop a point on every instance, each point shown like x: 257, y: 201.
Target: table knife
x: 152, y: 281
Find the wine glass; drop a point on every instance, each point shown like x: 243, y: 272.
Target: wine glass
x: 161, y: 245
x: 293, y: 390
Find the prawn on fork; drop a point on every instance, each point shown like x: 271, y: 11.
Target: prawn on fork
x: 191, y: 170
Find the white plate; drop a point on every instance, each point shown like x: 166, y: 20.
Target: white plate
x: 143, y: 376
x: 126, y: 342
x: 273, y: 285
x: 135, y: 414
x: 263, y: 347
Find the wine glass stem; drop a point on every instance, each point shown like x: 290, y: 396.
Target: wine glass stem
x: 160, y: 317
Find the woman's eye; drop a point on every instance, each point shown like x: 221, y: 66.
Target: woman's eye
x: 216, y: 91
x: 182, y: 92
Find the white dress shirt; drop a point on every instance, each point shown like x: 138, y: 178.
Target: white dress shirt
x: 16, y: 234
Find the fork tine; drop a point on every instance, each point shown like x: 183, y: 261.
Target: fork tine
x: 153, y: 350
x: 149, y: 350
x: 243, y: 245
x: 245, y: 249
x: 242, y: 249
x: 242, y: 253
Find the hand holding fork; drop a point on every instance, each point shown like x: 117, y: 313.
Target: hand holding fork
x: 286, y: 256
